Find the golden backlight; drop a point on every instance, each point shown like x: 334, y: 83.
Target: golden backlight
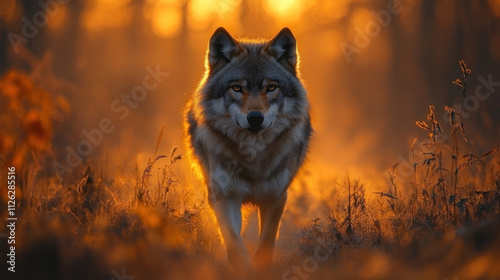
x: 370, y: 73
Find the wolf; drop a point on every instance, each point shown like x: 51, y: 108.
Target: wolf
x: 248, y: 128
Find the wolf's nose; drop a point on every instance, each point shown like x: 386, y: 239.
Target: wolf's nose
x: 255, y: 118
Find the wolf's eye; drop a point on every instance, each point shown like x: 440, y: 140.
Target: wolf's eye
x: 236, y: 88
x: 271, y: 87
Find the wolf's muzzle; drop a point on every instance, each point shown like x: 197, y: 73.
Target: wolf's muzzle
x: 255, y: 119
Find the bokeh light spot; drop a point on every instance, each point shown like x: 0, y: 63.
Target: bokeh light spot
x: 166, y: 21
x: 285, y: 11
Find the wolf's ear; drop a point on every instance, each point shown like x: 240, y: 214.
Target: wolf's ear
x: 284, y: 48
x: 221, y: 48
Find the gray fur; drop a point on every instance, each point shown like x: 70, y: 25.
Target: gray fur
x: 240, y: 166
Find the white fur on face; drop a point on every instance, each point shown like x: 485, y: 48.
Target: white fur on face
x: 238, y: 116
x: 270, y: 116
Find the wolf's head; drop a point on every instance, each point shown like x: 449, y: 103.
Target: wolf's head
x: 253, y: 85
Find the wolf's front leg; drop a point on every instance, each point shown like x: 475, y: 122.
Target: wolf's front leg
x: 226, y: 203
x: 228, y: 213
x: 270, y: 212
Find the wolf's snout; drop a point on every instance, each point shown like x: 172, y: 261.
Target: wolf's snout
x: 255, y: 118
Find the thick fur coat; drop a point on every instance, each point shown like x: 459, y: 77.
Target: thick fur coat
x: 248, y: 127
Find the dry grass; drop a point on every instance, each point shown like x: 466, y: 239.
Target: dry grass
x: 441, y: 222
x: 427, y: 219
